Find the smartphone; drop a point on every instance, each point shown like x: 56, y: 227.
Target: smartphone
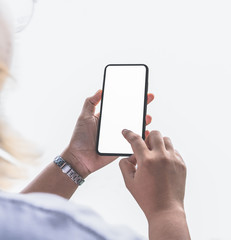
x: 123, y: 105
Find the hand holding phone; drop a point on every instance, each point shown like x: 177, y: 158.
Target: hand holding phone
x: 81, y: 151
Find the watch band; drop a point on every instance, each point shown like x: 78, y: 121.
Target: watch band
x: 68, y: 170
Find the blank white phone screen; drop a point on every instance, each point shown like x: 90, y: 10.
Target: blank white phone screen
x: 122, y: 107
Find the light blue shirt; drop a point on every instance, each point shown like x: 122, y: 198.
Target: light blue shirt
x: 43, y: 216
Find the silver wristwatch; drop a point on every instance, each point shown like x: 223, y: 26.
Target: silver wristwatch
x: 67, y: 169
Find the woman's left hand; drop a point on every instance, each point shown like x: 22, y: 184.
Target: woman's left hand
x: 81, y: 152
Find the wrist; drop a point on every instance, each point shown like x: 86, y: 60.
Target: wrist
x: 169, y: 224
x: 75, y: 162
x: 175, y: 211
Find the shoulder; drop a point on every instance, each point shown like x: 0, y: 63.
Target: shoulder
x: 39, y: 216
x: 52, y: 215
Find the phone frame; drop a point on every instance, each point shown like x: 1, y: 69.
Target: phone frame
x: 101, y: 107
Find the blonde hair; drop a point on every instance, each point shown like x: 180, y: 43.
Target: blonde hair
x: 12, y: 145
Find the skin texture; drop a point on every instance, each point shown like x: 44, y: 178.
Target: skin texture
x: 157, y: 184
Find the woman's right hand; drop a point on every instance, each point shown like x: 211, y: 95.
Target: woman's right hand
x: 158, y: 182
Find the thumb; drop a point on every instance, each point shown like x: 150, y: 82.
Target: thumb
x: 128, y: 171
x: 90, y: 103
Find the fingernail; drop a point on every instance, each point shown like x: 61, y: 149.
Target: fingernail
x: 124, y: 131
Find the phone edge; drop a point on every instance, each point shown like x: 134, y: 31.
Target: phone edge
x: 101, y: 105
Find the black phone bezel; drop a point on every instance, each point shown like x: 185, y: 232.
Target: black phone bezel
x: 101, y: 107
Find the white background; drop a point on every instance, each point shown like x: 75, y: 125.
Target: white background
x: 59, y: 61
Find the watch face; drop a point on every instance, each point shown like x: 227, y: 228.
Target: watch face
x: 22, y: 12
